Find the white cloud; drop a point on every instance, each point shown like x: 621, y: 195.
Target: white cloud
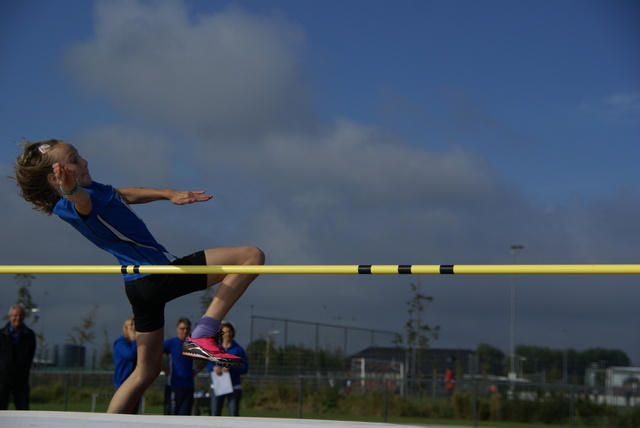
x: 620, y: 107
x: 128, y: 156
x: 226, y: 73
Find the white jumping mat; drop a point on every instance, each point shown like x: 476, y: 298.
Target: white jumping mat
x: 37, y: 419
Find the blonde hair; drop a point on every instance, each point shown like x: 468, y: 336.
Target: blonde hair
x: 31, y: 170
x: 125, y: 327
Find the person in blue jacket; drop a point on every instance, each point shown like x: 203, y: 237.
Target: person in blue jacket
x: 125, y: 354
x: 178, y: 398
x: 233, y: 399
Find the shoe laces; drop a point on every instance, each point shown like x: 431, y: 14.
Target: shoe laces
x: 217, y: 339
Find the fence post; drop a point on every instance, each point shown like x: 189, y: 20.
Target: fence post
x: 571, y: 405
x: 67, y: 379
x: 141, y: 409
x: 386, y: 403
x: 300, y: 397
x: 474, y: 386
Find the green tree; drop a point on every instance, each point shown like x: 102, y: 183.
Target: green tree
x: 606, y: 357
x: 84, y: 334
x: 417, y: 332
x: 293, y: 359
x: 554, y: 362
x: 24, y: 298
x: 106, y: 352
x: 490, y: 358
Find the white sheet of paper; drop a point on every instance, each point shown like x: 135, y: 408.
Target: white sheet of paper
x: 221, y: 384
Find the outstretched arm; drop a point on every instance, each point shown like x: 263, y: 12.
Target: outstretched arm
x: 142, y: 195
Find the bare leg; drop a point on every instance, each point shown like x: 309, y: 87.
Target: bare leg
x: 150, y: 351
x: 232, y: 286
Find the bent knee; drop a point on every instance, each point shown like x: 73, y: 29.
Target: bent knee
x: 256, y: 256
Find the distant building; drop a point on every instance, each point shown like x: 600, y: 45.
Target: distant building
x: 615, y: 385
x: 412, y: 363
x: 70, y: 355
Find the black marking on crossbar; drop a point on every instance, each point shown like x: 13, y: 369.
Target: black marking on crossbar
x: 364, y: 269
x: 404, y: 269
x: 446, y: 269
x: 127, y: 269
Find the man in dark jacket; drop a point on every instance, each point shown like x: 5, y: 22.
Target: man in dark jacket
x: 17, y: 348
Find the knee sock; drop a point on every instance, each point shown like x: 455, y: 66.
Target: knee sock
x: 206, y: 327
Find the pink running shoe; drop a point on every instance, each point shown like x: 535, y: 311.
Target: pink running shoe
x: 208, y: 348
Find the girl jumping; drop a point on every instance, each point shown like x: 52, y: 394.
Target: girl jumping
x: 55, y: 179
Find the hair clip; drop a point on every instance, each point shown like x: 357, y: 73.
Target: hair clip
x: 43, y: 148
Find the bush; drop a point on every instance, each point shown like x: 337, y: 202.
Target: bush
x: 541, y: 406
x: 47, y: 394
x: 462, y: 405
x: 628, y: 417
x: 495, y: 406
x: 280, y: 396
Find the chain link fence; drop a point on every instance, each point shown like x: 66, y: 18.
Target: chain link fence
x: 381, y: 397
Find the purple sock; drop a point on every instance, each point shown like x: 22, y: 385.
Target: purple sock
x: 206, y: 327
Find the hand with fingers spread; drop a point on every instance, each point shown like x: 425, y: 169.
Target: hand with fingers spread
x: 189, y: 197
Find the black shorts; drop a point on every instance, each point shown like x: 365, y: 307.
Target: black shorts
x: 148, y: 295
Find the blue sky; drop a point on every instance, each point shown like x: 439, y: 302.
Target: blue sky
x: 352, y: 132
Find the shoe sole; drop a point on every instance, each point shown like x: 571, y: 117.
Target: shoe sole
x: 199, y: 353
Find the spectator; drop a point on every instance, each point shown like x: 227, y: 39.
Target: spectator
x: 125, y: 354
x: 450, y: 380
x: 495, y: 404
x: 17, y: 349
x: 178, y: 398
x: 233, y: 398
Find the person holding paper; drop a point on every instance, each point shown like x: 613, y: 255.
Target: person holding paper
x: 226, y: 384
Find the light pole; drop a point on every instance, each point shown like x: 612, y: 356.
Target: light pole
x: 266, y: 354
x: 512, y: 368
x: 565, y: 362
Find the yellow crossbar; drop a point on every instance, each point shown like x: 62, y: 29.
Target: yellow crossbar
x: 633, y: 269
